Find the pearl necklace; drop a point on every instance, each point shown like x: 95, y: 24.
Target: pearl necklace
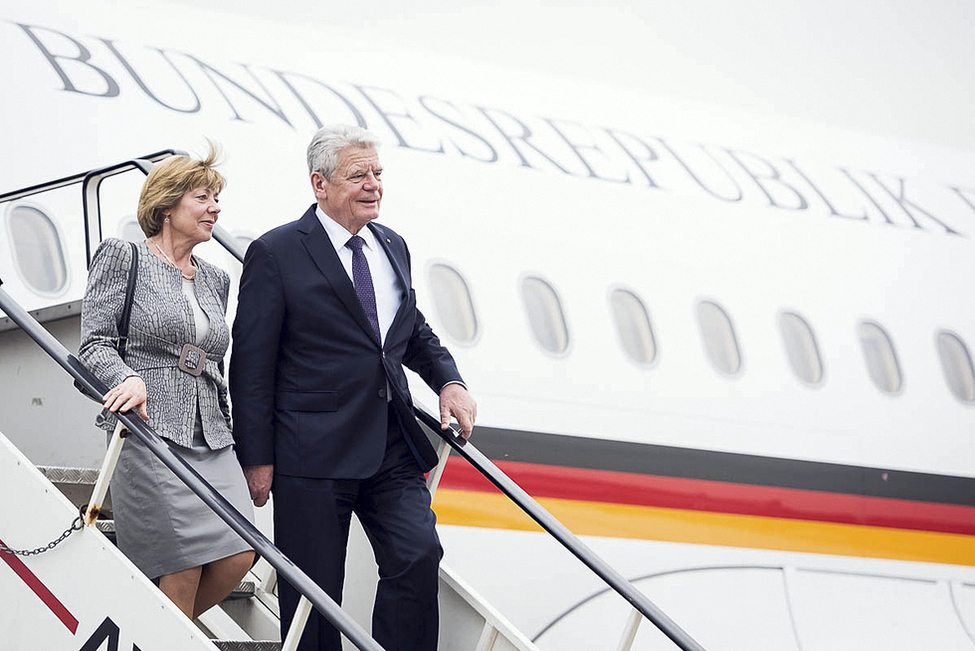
x: 170, y: 261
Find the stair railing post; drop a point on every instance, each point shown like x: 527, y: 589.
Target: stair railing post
x: 297, y: 625
x: 629, y: 631
x: 433, y: 477
x: 100, y: 489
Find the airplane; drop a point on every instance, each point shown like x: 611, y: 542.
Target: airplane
x: 732, y: 351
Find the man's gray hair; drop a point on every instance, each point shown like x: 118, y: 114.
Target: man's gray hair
x: 325, y: 145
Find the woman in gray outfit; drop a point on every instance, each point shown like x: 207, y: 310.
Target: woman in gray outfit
x: 178, y: 310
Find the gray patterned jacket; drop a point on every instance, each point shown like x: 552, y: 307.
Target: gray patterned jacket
x: 161, y: 322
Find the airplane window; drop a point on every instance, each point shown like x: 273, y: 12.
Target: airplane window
x: 633, y: 326
x: 878, y: 350
x: 452, y: 299
x: 130, y: 231
x: 957, y: 366
x: 37, y: 247
x: 801, y: 348
x: 719, y: 338
x: 545, y: 314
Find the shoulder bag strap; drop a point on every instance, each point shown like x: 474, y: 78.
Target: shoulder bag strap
x: 123, y: 323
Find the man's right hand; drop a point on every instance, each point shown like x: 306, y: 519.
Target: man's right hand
x: 259, y: 482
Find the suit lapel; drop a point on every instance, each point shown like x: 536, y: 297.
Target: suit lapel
x: 319, y: 247
x: 399, y: 266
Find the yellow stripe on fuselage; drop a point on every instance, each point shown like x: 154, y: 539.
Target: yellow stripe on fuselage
x: 491, y: 510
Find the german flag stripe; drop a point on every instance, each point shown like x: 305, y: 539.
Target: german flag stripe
x: 665, y: 461
x: 612, y: 487
x: 493, y: 510
x: 630, y: 490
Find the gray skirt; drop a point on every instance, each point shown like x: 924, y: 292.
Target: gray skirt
x: 161, y: 525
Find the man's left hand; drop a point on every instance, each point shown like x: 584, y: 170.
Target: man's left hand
x: 457, y: 402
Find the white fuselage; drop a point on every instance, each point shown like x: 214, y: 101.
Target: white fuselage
x: 506, y: 177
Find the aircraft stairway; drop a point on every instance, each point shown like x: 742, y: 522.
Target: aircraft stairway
x: 248, y: 620
x: 231, y: 626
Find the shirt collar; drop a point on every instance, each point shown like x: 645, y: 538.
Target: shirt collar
x: 339, y: 235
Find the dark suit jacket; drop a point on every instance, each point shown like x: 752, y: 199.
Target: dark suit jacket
x: 308, y: 379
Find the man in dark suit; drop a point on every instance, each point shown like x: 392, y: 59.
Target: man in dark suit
x: 326, y: 321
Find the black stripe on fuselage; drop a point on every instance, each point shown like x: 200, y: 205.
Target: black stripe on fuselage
x: 666, y: 461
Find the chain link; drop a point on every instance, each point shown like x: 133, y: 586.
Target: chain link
x: 77, y: 525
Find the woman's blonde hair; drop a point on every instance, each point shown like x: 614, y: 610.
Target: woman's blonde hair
x: 170, y: 180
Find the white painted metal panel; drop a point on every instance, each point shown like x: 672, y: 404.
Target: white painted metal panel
x: 83, y: 590
x: 725, y: 609
x: 875, y: 612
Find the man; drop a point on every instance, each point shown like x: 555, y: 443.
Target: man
x: 326, y: 321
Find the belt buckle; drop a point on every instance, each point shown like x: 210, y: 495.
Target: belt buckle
x: 192, y: 360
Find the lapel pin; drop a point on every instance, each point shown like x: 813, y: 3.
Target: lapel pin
x: 387, y: 241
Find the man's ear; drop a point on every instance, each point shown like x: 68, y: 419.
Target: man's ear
x: 318, y: 185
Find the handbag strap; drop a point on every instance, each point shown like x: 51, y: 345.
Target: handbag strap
x: 123, y: 323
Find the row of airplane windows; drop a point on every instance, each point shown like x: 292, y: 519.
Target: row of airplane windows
x: 549, y: 327
x: 41, y: 262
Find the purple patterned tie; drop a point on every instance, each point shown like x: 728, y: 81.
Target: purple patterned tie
x: 362, y: 280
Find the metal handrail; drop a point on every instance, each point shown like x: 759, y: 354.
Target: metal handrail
x: 219, y: 504
x: 13, y: 195
x: 570, y: 541
x: 536, y: 511
x: 91, y: 181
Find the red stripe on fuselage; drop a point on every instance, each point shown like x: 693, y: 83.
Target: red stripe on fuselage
x: 715, y: 496
x: 40, y: 590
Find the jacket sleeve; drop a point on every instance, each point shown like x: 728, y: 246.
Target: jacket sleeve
x: 428, y: 358
x: 253, y: 362
x: 101, y: 309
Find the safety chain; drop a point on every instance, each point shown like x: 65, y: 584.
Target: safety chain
x: 77, y: 525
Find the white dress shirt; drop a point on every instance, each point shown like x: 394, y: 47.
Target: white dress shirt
x: 200, y: 319
x: 389, y: 294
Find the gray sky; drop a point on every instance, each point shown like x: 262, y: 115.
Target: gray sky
x: 896, y: 68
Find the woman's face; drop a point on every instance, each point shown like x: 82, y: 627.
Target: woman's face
x: 194, y: 216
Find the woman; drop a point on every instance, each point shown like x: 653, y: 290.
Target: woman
x: 179, y: 300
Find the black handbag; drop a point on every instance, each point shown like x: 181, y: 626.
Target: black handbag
x: 123, y: 322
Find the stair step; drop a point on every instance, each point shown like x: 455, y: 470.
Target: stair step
x: 68, y: 475
x: 76, y: 484
x: 244, y: 590
x: 247, y: 645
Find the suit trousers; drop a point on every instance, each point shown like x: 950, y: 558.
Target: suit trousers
x: 311, y: 524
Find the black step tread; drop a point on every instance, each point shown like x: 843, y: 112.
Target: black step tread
x: 247, y: 645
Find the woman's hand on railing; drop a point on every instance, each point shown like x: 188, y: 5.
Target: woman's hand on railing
x: 130, y: 394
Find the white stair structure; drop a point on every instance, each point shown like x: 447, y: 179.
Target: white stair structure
x: 95, y: 583
x: 81, y: 593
